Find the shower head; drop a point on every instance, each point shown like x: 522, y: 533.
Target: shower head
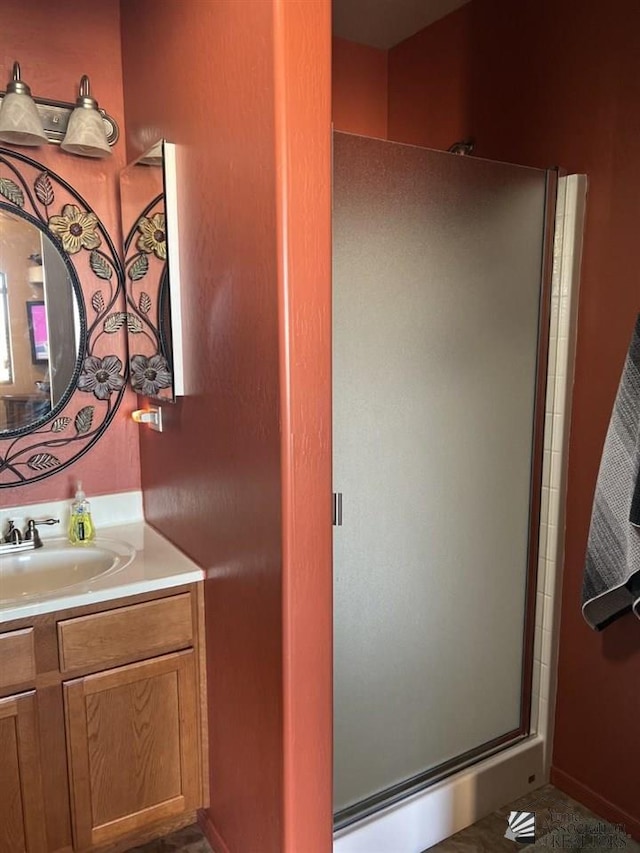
x: 465, y: 146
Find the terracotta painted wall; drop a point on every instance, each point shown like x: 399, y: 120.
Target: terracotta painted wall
x: 303, y: 163
x: 429, y: 76
x: 555, y: 82
x: 55, y: 47
x: 240, y: 480
x: 359, y: 88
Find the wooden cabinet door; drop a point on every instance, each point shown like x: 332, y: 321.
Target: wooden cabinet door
x: 22, y: 827
x: 133, y: 747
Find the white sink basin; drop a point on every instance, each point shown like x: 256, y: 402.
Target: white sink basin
x: 58, y: 565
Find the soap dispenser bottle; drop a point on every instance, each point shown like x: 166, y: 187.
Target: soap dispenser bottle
x: 81, y: 529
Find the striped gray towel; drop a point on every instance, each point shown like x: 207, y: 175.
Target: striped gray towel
x: 612, y: 573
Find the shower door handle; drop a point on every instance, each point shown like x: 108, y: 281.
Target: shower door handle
x: 337, y: 509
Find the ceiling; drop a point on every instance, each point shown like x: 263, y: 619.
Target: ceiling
x: 384, y: 23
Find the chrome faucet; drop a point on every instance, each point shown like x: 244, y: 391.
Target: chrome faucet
x: 14, y: 541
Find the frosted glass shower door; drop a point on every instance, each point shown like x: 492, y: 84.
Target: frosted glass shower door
x: 437, y: 293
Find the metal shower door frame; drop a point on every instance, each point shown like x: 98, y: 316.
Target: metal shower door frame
x: 389, y: 796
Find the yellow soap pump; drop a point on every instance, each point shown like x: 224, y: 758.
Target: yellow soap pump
x: 81, y: 529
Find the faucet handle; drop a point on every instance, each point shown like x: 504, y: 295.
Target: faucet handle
x: 13, y: 535
x: 31, y: 533
x: 7, y: 534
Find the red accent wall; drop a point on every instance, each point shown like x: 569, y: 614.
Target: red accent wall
x: 429, y: 75
x: 55, y: 47
x: 359, y: 88
x: 303, y: 163
x: 555, y: 82
x: 240, y: 480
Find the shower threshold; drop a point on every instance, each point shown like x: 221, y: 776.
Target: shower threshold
x: 390, y: 796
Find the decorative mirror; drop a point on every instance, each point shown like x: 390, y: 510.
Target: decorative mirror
x: 62, y: 323
x: 148, y: 205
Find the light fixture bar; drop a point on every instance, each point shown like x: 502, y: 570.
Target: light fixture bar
x: 55, y: 117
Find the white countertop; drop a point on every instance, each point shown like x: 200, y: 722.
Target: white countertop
x: 157, y: 564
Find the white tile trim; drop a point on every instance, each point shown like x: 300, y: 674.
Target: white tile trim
x: 567, y: 252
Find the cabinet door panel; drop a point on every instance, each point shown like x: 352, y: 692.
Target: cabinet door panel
x: 133, y: 747
x: 21, y: 806
x: 17, y: 658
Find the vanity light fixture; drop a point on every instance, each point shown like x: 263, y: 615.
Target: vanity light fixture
x: 86, y: 134
x: 20, y: 122
x: 35, y: 270
x: 151, y: 416
x: 25, y: 120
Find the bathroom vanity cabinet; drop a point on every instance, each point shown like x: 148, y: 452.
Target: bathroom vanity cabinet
x: 102, y: 723
x: 21, y: 803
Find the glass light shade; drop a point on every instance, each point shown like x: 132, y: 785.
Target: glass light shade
x: 153, y: 157
x: 86, y: 134
x: 20, y: 123
x: 35, y: 275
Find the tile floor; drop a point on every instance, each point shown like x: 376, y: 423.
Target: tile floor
x: 187, y: 840
x: 561, y: 824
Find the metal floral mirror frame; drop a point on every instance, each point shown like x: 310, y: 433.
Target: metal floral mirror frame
x: 148, y: 205
x: 58, y: 433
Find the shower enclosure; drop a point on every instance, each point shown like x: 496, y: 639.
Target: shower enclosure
x: 439, y: 347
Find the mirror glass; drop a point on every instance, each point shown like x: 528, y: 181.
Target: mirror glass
x: 39, y: 324
x: 147, y: 195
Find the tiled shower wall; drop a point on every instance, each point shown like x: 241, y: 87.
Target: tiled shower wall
x: 567, y: 252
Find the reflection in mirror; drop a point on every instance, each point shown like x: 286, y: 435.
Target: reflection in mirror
x: 39, y: 324
x: 147, y: 189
